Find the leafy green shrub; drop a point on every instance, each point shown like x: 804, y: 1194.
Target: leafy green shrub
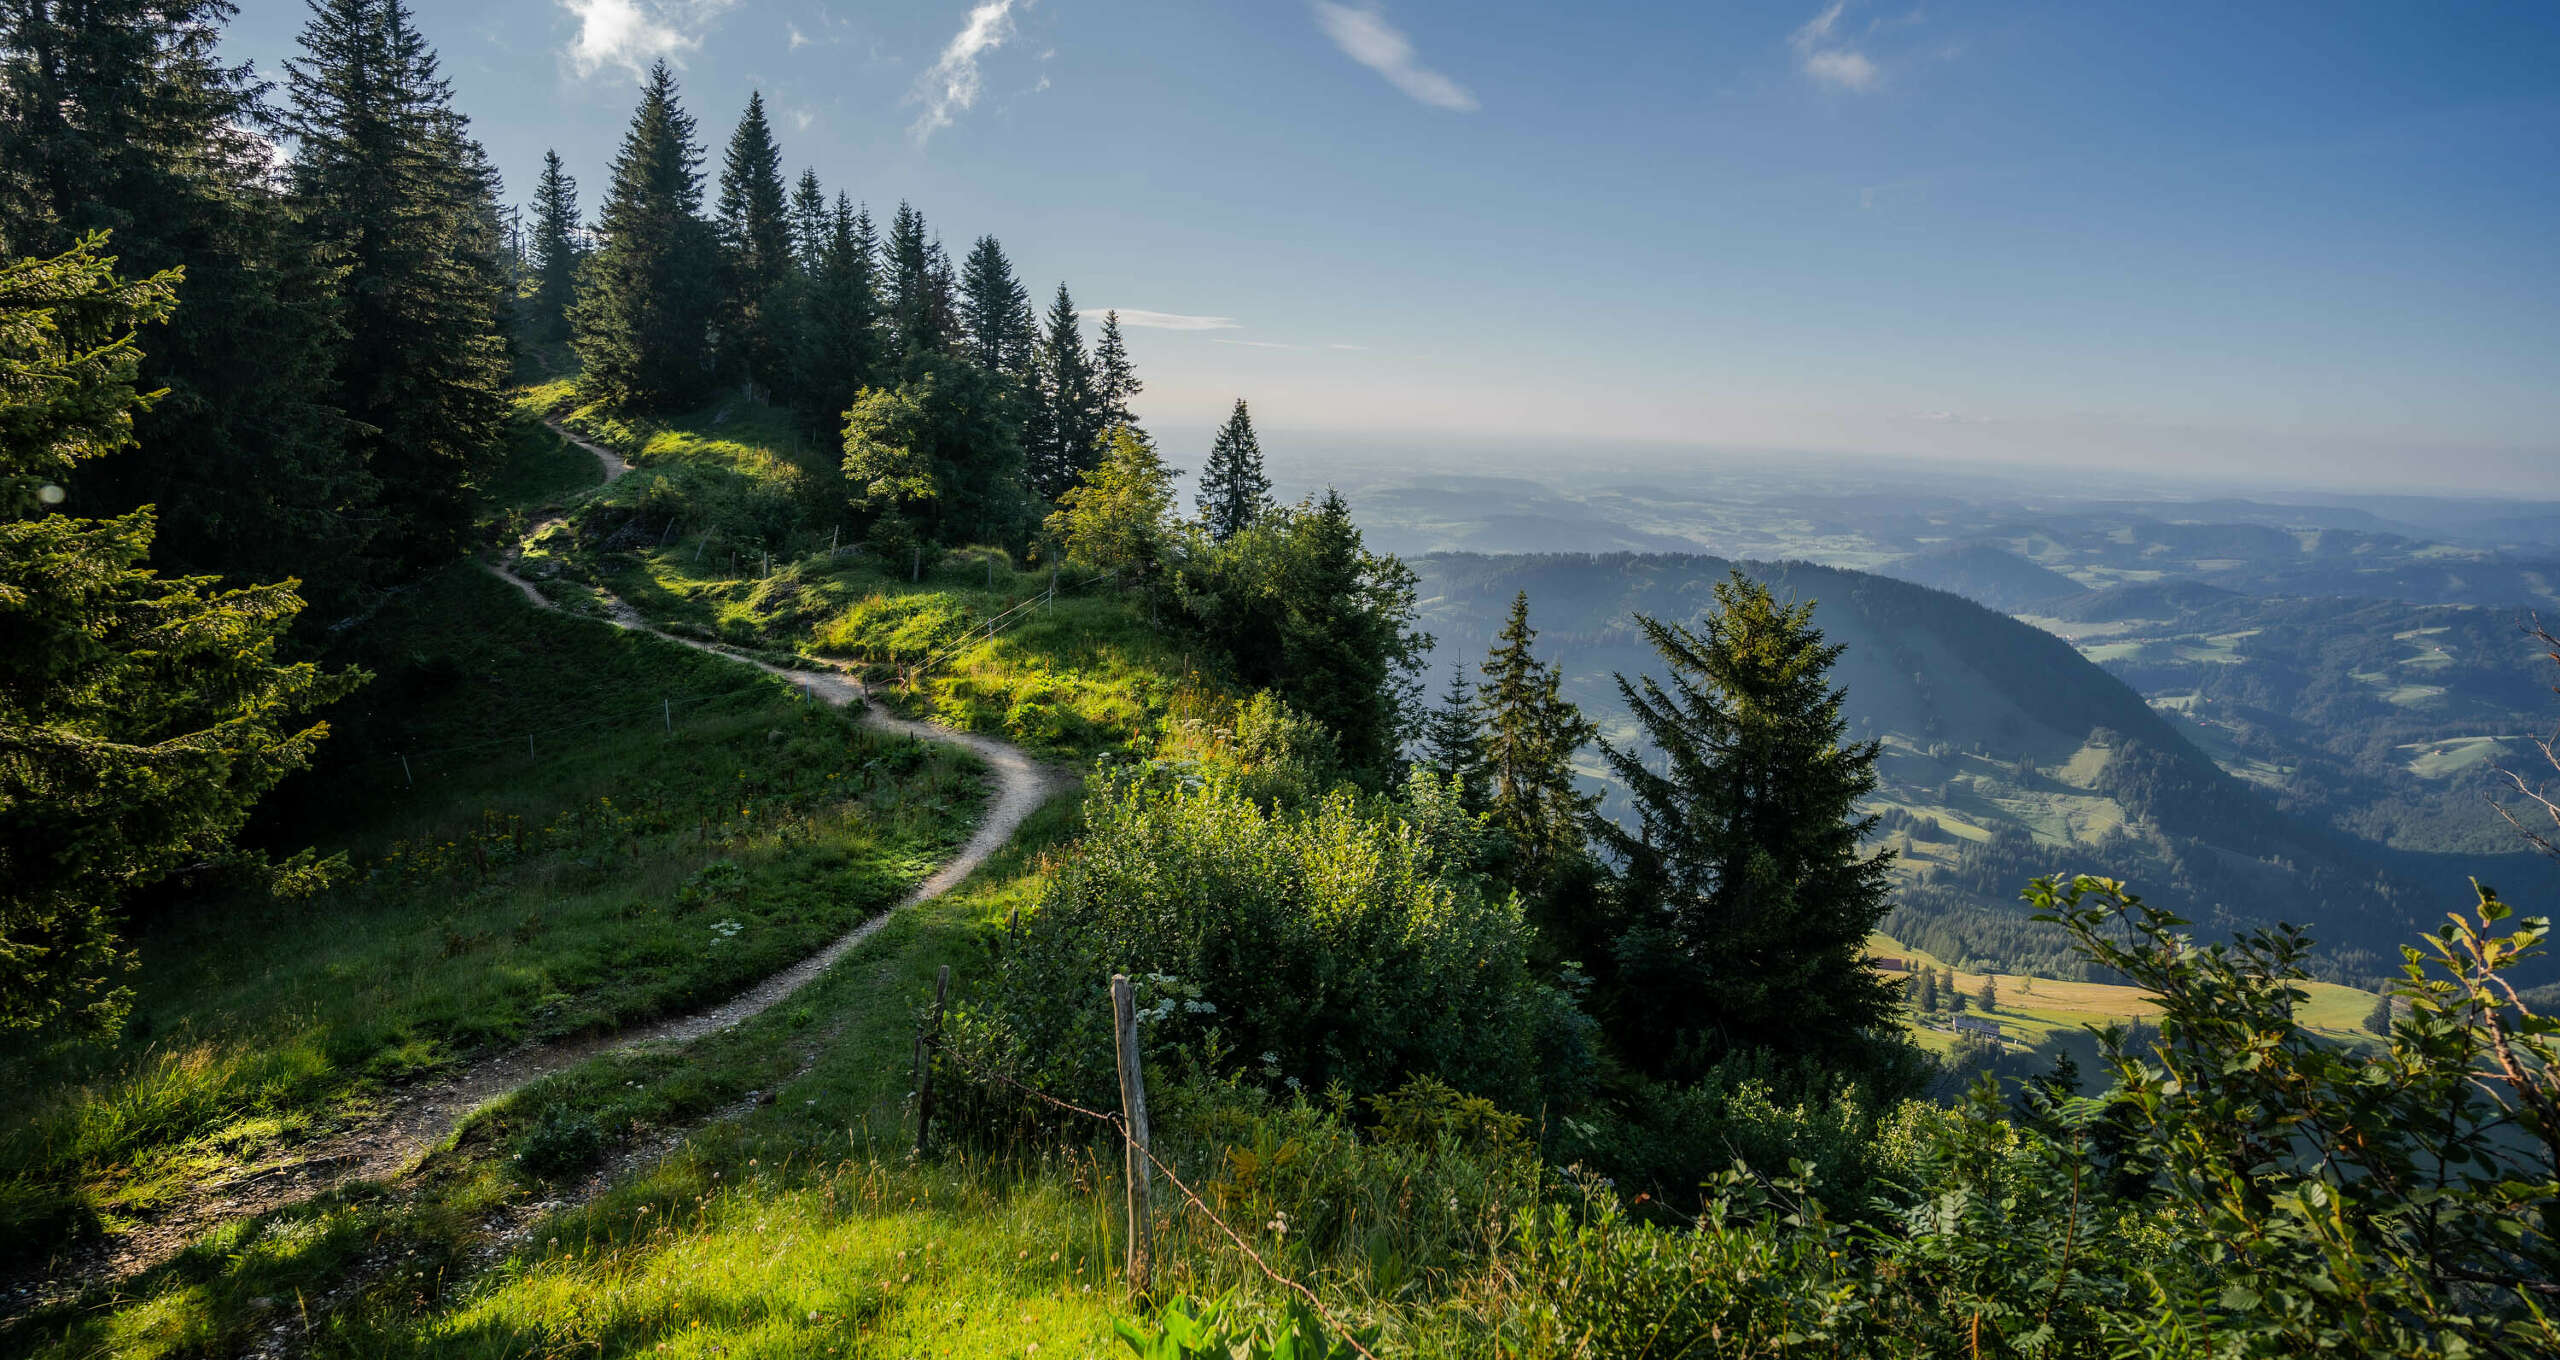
x: 1210, y: 1330
x: 1342, y: 942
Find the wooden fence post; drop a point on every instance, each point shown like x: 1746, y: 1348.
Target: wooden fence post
x: 927, y: 1034
x: 1133, y: 1110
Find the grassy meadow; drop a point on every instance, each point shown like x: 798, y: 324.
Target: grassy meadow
x: 732, y: 490
x: 2034, y: 1010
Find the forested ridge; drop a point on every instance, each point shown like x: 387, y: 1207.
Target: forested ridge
x: 1447, y: 1052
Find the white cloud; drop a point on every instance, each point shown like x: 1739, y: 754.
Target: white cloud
x: 1823, y: 53
x: 1172, y: 321
x: 1256, y: 344
x: 798, y: 39
x: 1367, y: 38
x: 633, y: 33
x: 950, y: 86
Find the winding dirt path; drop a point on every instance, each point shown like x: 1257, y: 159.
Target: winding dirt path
x: 417, y: 1119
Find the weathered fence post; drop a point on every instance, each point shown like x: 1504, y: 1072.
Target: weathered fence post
x: 927, y: 1034
x: 1133, y: 1110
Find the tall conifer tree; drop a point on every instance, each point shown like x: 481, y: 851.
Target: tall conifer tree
x: 1062, y: 436
x: 841, y: 342
x: 1452, y: 738
x: 919, y: 311
x: 119, y: 115
x: 811, y: 223
x: 1115, y: 378
x: 996, y: 312
x: 642, y: 320
x: 1531, y: 734
x: 396, y: 201
x: 755, y: 248
x: 555, y: 250
x: 1233, y: 490
x: 141, y: 716
x: 1753, y: 901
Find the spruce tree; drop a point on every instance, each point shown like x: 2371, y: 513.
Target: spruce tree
x: 395, y: 199
x: 918, y: 292
x: 1060, y: 438
x: 1115, y: 377
x: 1451, y: 745
x: 643, y: 317
x: 995, y: 312
x: 811, y: 224
x: 1926, y: 999
x: 141, y: 716
x: 119, y: 115
x: 555, y: 250
x: 1531, y: 732
x: 1753, y: 902
x: 841, y: 340
x: 755, y: 249
x: 1988, y: 999
x: 1233, y: 490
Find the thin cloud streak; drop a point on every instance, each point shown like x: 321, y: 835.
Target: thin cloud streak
x: 1173, y: 321
x: 1366, y: 37
x: 950, y: 87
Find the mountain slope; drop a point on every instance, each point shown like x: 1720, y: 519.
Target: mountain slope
x: 2007, y: 754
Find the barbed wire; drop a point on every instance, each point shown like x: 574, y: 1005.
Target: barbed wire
x: 1121, y: 1126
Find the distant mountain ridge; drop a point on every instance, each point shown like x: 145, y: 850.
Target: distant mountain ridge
x: 2008, y: 754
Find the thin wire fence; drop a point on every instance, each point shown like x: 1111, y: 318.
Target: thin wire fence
x: 1144, y: 1147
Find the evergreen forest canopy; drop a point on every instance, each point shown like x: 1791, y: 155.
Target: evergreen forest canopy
x: 1499, y: 1066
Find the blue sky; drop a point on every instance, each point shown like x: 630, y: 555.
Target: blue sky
x: 2294, y: 243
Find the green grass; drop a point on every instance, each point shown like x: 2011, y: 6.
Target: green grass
x: 1085, y: 674
x: 537, y: 467
x: 620, y: 872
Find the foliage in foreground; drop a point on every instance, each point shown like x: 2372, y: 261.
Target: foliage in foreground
x: 1341, y: 941
x: 141, y: 717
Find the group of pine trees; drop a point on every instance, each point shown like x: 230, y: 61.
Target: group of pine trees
x: 257, y: 342
x: 335, y: 369
x: 1731, y: 919
x: 965, y: 413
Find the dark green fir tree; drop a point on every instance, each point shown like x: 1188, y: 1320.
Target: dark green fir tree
x: 395, y: 200
x: 842, y: 342
x: 1531, y: 735
x: 120, y: 116
x: 1451, y: 744
x: 755, y: 251
x: 557, y: 249
x: 1750, y: 898
x: 1064, y: 428
x: 812, y: 222
x: 995, y: 313
x: 141, y: 715
x: 1233, y: 490
x: 1115, y: 377
x: 642, y: 321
